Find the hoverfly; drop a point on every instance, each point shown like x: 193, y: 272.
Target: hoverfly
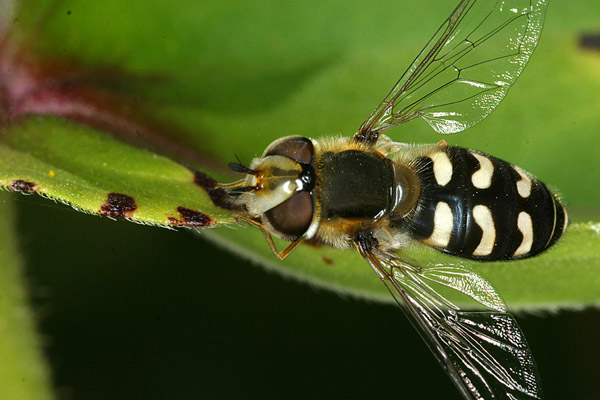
x: 379, y: 196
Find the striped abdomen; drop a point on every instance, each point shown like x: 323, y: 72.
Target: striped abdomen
x: 473, y: 205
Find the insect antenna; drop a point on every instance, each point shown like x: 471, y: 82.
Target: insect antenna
x: 237, y: 188
x: 241, y: 168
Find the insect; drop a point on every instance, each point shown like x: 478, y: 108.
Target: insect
x: 378, y: 196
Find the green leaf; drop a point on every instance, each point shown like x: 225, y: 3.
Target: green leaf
x: 95, y: 173
x: 566, y: 276
x: 23, y: 374
x: 220, y: 79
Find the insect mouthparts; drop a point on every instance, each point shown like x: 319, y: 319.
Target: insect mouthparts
x: 241, y: 190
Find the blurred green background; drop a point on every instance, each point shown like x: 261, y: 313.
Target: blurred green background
x: 128, y: 311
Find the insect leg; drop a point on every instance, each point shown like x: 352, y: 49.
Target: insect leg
x: 281, y: 255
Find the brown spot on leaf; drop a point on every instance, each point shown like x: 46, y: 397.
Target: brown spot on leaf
x: 22, y: 186
x: 218, y: 196
x: 204, y: 181
x: 327, y: 260
x: 118, y: 205
x: 590, y: 41
x: 190, y: 218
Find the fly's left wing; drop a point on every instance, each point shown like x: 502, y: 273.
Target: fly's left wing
x: 482, y: 349
x: 465, y: 69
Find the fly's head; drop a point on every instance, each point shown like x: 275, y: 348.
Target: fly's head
x: 279, y: 187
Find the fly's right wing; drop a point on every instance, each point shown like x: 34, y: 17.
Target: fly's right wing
x: 465, y: 69
x: 480, y: 347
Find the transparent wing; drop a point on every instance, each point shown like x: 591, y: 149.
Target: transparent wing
x: 483, y: 350
x: 465, y: 69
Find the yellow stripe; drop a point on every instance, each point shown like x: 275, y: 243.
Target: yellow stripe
x: 482, y: 178
x: 483, y: 218
x: 525, y: 225
x: 443, y: 223
x: 523, y: 184
x: 442, y: 168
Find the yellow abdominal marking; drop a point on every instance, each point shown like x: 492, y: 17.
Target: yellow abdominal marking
x: 442, y: 168
x: 525, y: 226
x: 523, y: 184
x: 566, y: 220
x: 482, y: 178
x: 443, y: 223
x: 483, y: 218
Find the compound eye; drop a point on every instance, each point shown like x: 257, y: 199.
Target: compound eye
x: 292, y: 217
x: 297, y: 148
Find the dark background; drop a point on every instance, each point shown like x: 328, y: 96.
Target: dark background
x: 133, y: 312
